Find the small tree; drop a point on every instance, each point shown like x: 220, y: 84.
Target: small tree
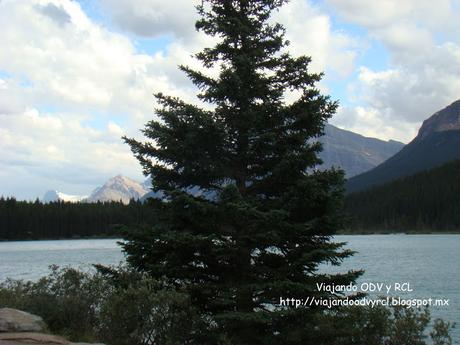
x: 245, y: 218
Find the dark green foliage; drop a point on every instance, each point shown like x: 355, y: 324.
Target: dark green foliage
x: 20, y: 220
x: 119, y: 306
x: 116, y: 306
x: 425, y: 202
x: 248, y: 219
x: 381, y: 326
x: 441, y: 332
x: 139, y: 310
x: 67, y: 300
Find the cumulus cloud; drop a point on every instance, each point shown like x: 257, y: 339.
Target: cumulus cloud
x: 56, y: 13
x: 58, y: 149
x: 423, y: 75
x: 385, y: 13
x: 308, y: 29
x: 72, y: 86
x: 81, y: 66
x: 374, y: 123
x: 11, y: 97
x: 65, y: 86
x: 152, y: 18
x: 310, y: 32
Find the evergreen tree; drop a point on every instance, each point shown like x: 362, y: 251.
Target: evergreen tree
x: 21, y: 220
x: 247, y: 218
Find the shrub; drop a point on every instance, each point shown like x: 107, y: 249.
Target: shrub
x: 141, y: 311
x: 116, y: 306
x: 119, y: 306
x: 67, y: 299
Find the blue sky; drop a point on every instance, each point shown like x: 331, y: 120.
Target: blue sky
x: 77, y: 75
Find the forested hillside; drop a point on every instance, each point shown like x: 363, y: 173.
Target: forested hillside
x: 34, y: 220
x: 425, y: 202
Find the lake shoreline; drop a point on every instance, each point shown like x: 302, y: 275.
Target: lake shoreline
x: 429, y: 262
x: 344, y: 233
x: 63, y: 239
x: 351, y: 233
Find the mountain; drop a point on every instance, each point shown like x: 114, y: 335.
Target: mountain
x: 119, y: 188
x: 424, y: 202
x: 54, y: 195
x: 353, y: 152
x: 437, y: 142
x: 350, y: 151
x: 116, y: 189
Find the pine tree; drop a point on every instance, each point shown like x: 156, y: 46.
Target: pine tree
x: 246, y: 218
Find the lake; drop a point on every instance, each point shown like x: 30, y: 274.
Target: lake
x: 429, y: 263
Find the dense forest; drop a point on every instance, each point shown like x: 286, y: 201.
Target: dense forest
x: 425, y: 202
x: 21, y: 220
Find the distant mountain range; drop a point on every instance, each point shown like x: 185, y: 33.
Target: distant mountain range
x: 118, y: 188
x: 437, y: 142
x: 352, y: 152
x: 54, y: 195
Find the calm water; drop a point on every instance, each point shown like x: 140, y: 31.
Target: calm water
x: 29, y: 260
x: 430, y: 263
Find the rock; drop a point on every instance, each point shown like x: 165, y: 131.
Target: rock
x: 28, y: 338
x: 20, y: 328
x: 12, y: 320
x: 25, y: 338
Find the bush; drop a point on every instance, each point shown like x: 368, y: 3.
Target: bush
x: 119, y: 306
x: 67, y: 299
x: 440, y: 333
x: 142, y: 311
x: 116, y: 306
x: 381, y: 326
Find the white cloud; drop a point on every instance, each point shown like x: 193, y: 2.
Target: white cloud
x: 310, y: 33
x: 81, y: 65
x: 421, y: 37
x: 73, y: 87
x: 385, y: 13
x: 59, y: 148
x: 115, y: 129
x: 375, y: 123
x: 86, y: 75
x: 309, y: 30
x: 56, y: 13
x: 153, y: 18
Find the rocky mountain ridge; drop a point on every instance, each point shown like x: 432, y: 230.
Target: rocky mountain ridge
x: 354, y: 153
x: 118, y: 188
x: 437, y: 143
x: 447, y: 119
x: 350, y: 151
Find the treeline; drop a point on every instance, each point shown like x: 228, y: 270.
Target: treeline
x: 425, y: 202
x: 21, y: 220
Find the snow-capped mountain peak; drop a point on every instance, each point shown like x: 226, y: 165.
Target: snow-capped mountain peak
x: 54, y: 195
x: 118, y: 188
